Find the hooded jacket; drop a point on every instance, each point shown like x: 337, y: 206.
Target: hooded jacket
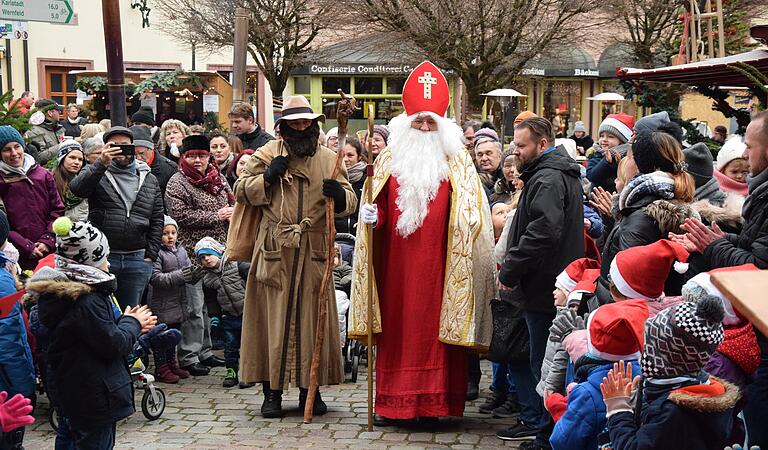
x: 255, y: 139
x: 32, y: 203
x: 167, y: 297
x: 228, y: 280
x: 698, y: 416
x: 139, y: 228
x: 547, y: 232
x: 88, y: 349
x: 17, y: 371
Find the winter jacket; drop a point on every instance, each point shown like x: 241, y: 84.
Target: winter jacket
x: 48, y: 135
x: 72, y: 129
x: 348, y: 224
x: 547, y: 231
x: 79, y: 212
x: 584, y: 142
x: 17, y: 371
x: 228, y: 283
x: 602, y: 173
x: 88, y: 350
x: 698, y: 417
x: 584, y: 419
x: 32, y: 203
x: 342, y: 276
x: 141, y: 228
x: 196, y: 211
x: 596, y: 230
x: 710, y: 191
x: 167, y: 296
x: 163, y: 169
x: 643, y: 222
x: 255, y: 139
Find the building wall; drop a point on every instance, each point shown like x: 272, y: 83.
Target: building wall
x: 696, y: 106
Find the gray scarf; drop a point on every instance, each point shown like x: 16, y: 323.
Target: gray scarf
x: 223, y: 166
x: 710, y: 191
x: 12, y: 172
x: 127, y: 182
x: 356, y: 172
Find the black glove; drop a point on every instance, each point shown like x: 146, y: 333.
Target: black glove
x: 276, y: 169
x: 333, y: 189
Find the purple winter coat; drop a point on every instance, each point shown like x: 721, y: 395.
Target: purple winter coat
x: 32, y: 203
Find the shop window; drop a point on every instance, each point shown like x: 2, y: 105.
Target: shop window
x: 368, y: 85
x: 331, y: 85
x: 302, y: 85
x: 61, y: 85
x: 395, y: 86
x: 562, y: 104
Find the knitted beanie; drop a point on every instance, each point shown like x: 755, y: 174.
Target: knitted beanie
x: 700, y: 163
x: 5, y: 228
x: 142, y: 137
x: 333, y: 132
x: 381, y: 130
x: 66, y: 147
x: 645, y: 153
x: 484, y: 135
x: 619, y: 125
x: 80, y: 242
x: 10, y: 134
x: 209, y: 246
x: 168, y: 220
x: 652, y: 122
x: 732, y: 149
x: 525, y: 115
x: 680, y: 340
x: 144, y: 115
x: 579, y: 126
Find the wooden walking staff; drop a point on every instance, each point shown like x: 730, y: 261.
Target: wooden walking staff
x: 369, y: 200
x: 344, y: 109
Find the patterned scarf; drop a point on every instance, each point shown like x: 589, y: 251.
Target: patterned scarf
x: 658, y: 183
x: 210, y: 182
x: 356, y: 172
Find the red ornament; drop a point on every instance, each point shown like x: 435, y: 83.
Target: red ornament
x: 426, y: 90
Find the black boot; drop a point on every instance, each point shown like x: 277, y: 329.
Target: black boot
x: 272, y: 407
x: 493, y: 401
x: 318, y: 408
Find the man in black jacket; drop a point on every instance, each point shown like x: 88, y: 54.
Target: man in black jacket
x: 547, y: 234
x: 126, y: 204
x: 162, y: 168
x: 245, y: 127
x: 719, y: 249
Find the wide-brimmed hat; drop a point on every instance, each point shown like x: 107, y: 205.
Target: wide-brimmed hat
x: 298, y: 107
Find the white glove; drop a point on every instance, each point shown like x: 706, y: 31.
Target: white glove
x: 369, y: 214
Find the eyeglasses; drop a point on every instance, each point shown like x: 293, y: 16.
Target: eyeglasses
x: 193, y: 157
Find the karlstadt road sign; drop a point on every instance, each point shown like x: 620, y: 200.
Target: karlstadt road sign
x: 51, y: 11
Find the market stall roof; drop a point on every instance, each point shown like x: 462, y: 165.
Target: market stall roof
x: 711, y: 72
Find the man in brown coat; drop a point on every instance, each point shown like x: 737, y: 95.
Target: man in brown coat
x: 281, y: 197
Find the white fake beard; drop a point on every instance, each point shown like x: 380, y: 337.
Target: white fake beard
x: 420, y: 164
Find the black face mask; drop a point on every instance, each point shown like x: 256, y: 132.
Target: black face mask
x: 301, y: 143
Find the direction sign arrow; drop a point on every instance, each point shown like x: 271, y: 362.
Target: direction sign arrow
x: 51, y: 11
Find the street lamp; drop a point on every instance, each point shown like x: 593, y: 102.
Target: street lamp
x: 503, y: 96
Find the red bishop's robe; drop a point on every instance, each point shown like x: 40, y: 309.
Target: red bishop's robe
x: 416, y: 375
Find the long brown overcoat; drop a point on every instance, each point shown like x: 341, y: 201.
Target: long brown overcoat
x: 288, y: 255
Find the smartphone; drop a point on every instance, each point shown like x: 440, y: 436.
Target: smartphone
x: 126, y: 149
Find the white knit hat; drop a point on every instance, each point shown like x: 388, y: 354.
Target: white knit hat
x: 732, y: 149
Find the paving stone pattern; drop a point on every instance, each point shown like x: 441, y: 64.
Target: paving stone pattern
x: 200, y: 414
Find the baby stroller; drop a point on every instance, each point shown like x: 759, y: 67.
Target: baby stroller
x: 353, y: 351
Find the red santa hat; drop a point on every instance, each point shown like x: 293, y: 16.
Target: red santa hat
x: 640, y: 272
x: 573, y: 273
x: 426, y: 90
x: 615, y: 331
x: 586, y: 285
x: 619, y: 125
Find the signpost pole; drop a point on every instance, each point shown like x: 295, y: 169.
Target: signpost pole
x: 113, y: 40
x: 240, y: 53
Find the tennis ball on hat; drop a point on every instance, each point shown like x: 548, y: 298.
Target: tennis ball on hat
x: 62, y: 226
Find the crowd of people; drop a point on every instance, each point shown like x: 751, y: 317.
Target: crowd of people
x: 587, y: 285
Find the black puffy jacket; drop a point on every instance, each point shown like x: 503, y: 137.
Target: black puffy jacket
x: 163, y: 169
x: 647, y: 220
x: 547, y: 231
x: 141, y: 228
x: 88, y: 374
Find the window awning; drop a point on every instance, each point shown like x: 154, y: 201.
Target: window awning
x: 572, y: 61
x: 711, y: 72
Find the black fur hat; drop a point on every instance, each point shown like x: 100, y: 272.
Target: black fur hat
x: 195, y: 142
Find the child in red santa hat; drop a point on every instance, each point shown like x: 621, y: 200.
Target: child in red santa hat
x: 615, y: 333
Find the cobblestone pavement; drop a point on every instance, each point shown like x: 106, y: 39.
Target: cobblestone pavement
x: 200, y: 414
